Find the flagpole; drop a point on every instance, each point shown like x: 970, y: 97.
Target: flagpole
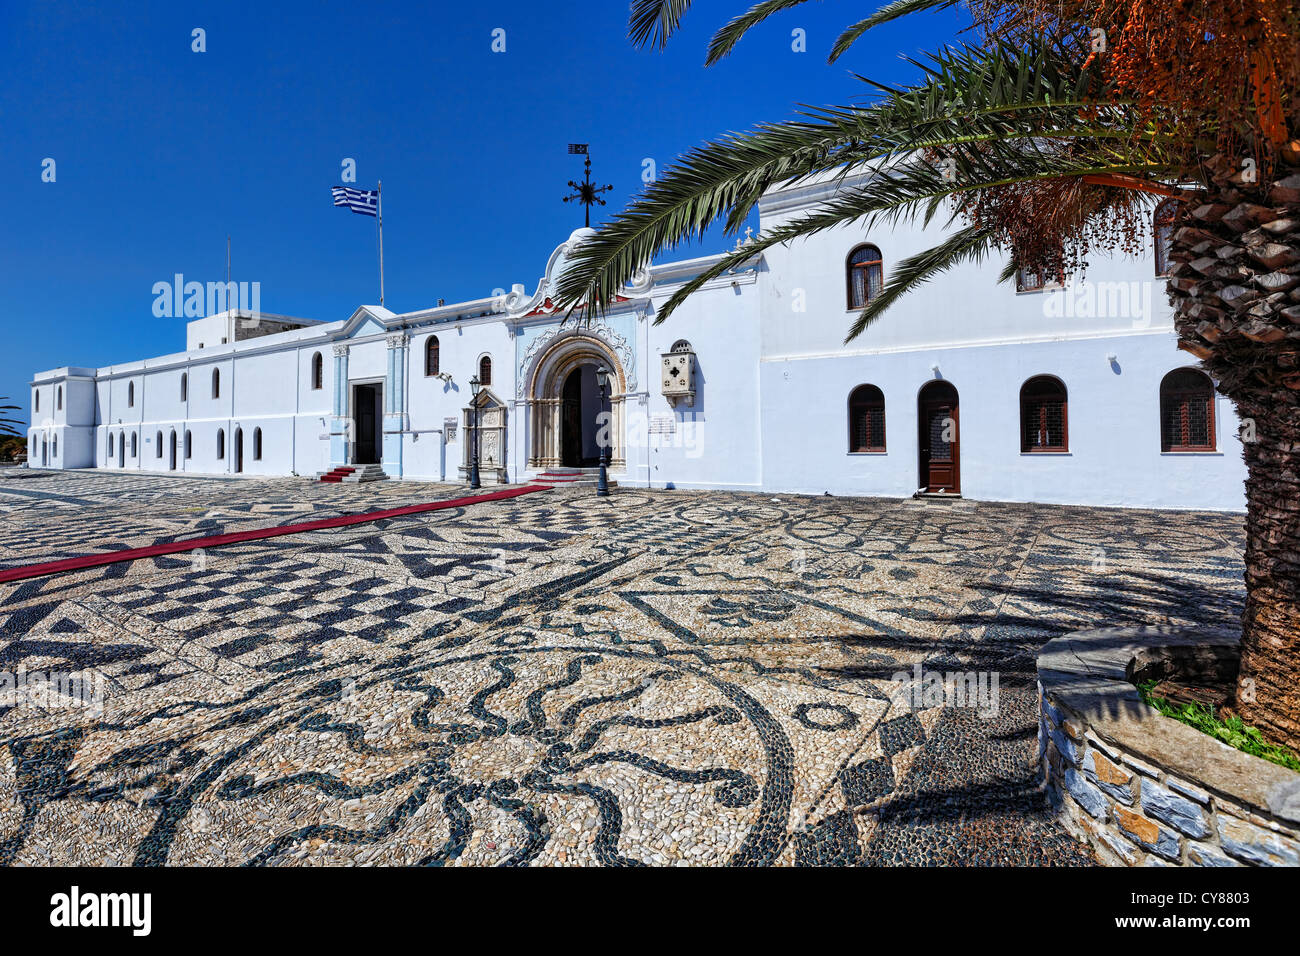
x: 379, y: 202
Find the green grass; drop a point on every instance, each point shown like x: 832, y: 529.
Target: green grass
x: 1230, y: 730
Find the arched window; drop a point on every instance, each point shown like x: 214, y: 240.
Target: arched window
x: 188, y: 446
x: 58, y: 399
x: 221, y: 443
x: 130, y: 394
x: 317, y: 372
x: 216, y: 383
x: 257, y: 444
x: 1044, y: 424
x: 485, y: 370
x: 110, y: 444
x: 158, y: 442
x: 36, y: 400
x: 432, y: 358
x: 1186, y: 411
x: 866, y: 419
x: 1163, y: 226
x: 185, y: 387
x: 866, y: 275
x: 134, y: 444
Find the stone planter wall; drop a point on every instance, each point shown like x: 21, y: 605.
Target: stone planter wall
x: 1144, y: 789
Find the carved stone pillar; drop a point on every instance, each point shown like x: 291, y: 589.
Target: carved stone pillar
x: 546, y: 433
x: 617, y: 426
x: 340, y: 424
x: 395, y: 403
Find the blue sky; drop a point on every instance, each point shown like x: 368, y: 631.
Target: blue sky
x: 161, y: 152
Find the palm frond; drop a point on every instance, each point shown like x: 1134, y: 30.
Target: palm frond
x: 890, y: 11
x: 992, y: 113
x: 652, y: 22
x: 725, y: 40
x: 7, y: 424
x: 906, y: 190
x: 721, y: 179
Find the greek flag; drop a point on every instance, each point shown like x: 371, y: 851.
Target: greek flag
x: 363, y: 201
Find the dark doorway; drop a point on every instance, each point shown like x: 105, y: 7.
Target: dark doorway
x: 571, y: 421
x: 239, y: 449
x: 579, y: 424
x: 171, y: 458
x: 365, y: 417
x: 939, y: 438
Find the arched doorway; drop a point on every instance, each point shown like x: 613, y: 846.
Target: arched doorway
x: 239, y: 449
x: 580, y: 419
x: 121, y: 449
x: 939, y: 439
x: 171, y: 456
x: 564, y: 404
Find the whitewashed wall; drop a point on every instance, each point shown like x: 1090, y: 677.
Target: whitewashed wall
x: 62, y: 433
x: 773, y: 381
x: 1114, y: 455
x: 717, y: 438
x: 986, y: 339
x: 430, y: 400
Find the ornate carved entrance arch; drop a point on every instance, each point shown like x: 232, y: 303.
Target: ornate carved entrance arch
x: 544, y: 390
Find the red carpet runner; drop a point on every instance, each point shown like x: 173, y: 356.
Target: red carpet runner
x: 22, y: 572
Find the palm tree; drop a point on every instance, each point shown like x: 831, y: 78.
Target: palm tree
x: 1048, y: 135
x: 7, y: 424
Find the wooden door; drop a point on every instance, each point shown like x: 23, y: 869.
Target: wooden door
x: 940, y: 442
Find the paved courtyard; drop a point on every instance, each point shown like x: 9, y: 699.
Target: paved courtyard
x: 654, y: 678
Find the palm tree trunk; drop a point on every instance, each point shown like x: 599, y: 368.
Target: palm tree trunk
x: 1235, y: 287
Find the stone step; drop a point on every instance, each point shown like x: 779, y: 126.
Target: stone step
x: 353, y: 474
x: 571, y: 478
x: 583, y: 483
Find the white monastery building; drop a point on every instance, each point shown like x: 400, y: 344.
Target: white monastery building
x: 1072, y: 395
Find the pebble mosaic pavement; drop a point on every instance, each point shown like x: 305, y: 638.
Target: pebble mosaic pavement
x: 659, y: 678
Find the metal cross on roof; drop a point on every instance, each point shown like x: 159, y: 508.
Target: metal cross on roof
x: 585, y: 192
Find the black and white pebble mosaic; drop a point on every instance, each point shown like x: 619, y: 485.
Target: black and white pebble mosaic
x: 655, y: 678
